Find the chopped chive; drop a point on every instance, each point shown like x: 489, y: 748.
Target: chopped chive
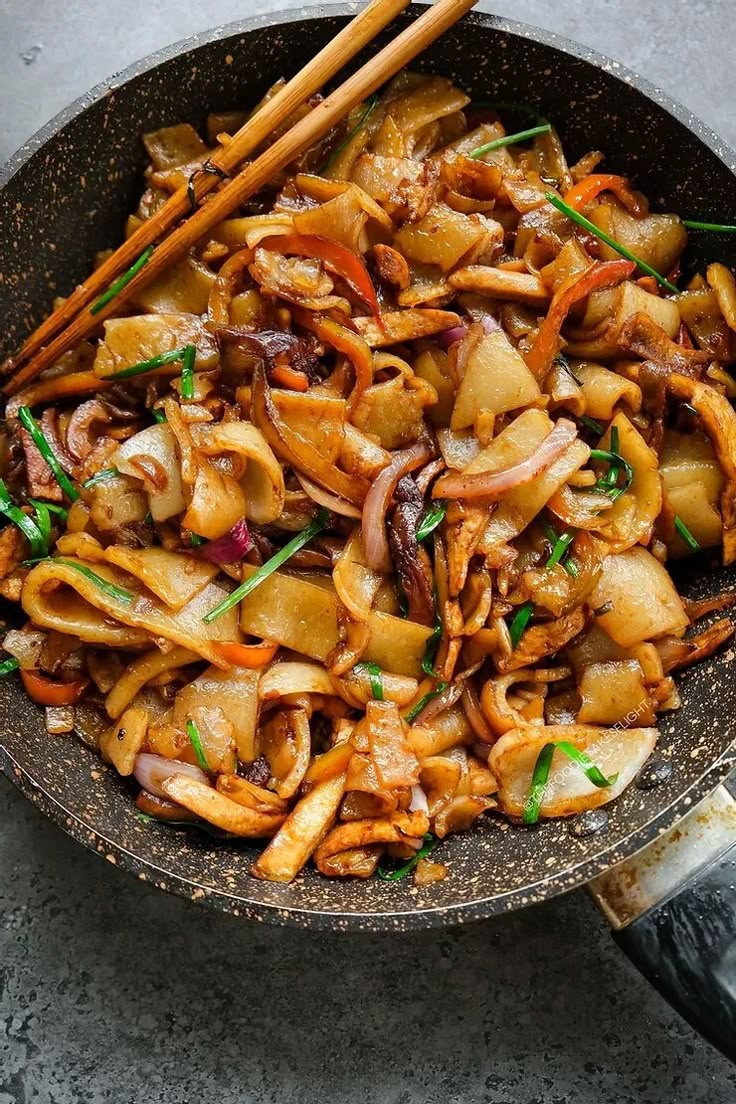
x: 559, y: 549
x: 540, y: 775
x: 433, y: 517
x: 591, y: 424
x: 196, y: 541
x: 9, y: 665
x: 521, y: 619
x: 571, y: 567
x: 111, y: 589
x: 375, y: 674
x: 43, y: 522
x: 52, y: 507
x: 431, y: 648
x: 714, y: 227
x: 148, y: 365
x: 187, y: 371
x: 612, y: 478
x: 159, y: 416
x: 425, y: 699
x: 268, y: 567
x: 34, y: 534
x: 510, y: 140
x: 196, y: 742
x: 581, y: 220
x: 686, y: 535
x: 369, y: 109
x: 616, y: 460
x: 395, y: 875
x: 118, y: 285
x: 29, y: 423
x: 100, y: 477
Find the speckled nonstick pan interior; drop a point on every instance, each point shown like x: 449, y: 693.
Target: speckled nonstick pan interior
x: 66, y: 194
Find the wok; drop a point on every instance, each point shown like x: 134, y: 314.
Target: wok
x: 672, y: 904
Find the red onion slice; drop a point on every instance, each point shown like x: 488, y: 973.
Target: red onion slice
x: 449, y: 337
x: 326, y: 499
x: 151, y: 770
x: 375, y: 541
x: 494, y: 484
x: 231, y: 548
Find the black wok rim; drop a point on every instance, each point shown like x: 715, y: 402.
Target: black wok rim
x: 147, y: 871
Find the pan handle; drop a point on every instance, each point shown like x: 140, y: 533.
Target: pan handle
x: 672, y: 908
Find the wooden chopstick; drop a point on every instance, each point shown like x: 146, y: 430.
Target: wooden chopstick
x: 421, y: 33
x: 322, y: 68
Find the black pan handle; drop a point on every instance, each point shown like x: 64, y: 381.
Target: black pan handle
x: 672, y: 908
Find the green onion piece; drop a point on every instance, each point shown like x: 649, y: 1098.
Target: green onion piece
x: 111, y: 589
x: 100, y: 477
x: 395, y: 875
x: 196, y: 541
x: 35, y: 536
x: 611, y: 479
x: 187, y: 371
x: 521, y: 619
x: 28, y: 422
x: 148, y: 365
x: 686, y: 535
x: 196, y: 742
x: 715, y: 227
x: 52, y: 507
x: 369, y: 109
x: 9, y: 665
x: 510, y: 140
x: 43, y: 521
x: 561, y: 545
x: 159, y: 416
x: 118, y: 285
x: 375, y: 675
x: 540, y: 777
x: 581, y: 220
x: 433, y: 517
x: 415, y: 710
x: 269, y: 567
x: 617, y: 461
x: 431, y: 648
x: 592, y: 425
x: 571, y: 568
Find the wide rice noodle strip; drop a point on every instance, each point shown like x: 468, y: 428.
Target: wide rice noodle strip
x: 362, y: 833
x: 306, y: 825
x: 56, y: 596
x: 295, y: 677
x: 356, y: 583
x: 142, y: 670
x: 719, y: 420
x: 130, y: 341
x: 262, y: 483
x: 631, y: 518
x: 44, y: 391
x: 603, y: 390
x: 614, y: 750
x: 301, y: 454
x: 152, y: 456
x: 640, y: 596
x: 173, y: 577
x: 219, y: 810
x: 303, y: 616
x: 496, y: 379
x: 613, y: 692
x: 235, y: 692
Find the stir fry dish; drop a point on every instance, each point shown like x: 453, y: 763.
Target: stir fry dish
x: 352, y: 526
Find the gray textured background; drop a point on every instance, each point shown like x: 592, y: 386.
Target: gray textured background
x: 110, y: 991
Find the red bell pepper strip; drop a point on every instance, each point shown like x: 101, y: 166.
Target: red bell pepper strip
x: 48, y: 691
x: 337, y: 258
x: 586, y: 190
x: 345, y: 341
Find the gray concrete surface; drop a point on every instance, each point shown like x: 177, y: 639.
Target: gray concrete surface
x: 111, y: 992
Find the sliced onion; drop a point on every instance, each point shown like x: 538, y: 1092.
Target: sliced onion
x: 473, y: 712
x: 451, y: 336
x: 418, y: 803
x: 25, y: 645
x: 231, y: 548
x: 375, y: 540
x: 154, y: 449
x: 329, y: 501
x: 151, y: 770
x: 490, y: 484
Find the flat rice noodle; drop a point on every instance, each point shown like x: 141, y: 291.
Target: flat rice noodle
x: 657, y: 239
x: 362, y: 454
x: 459, y: 814
x: 142, y: 670
x: 398, y: 327
x: 604, y: 389
x: 183, y: 288
x: 217, y: 502
x: 698, y: 512
x: 443, y: 237
x: 342, y: 219
x: 614, y: 751
x: 317, y: 187
x: 174, y: 577
x: 458, y: 449
x: 446, y: 730
x: 392, y: 411
x: 305, y: 826
x: 358, y: 862
x: 233, y: 691
x: 424, y: 101
x: 498, y: 711
x: 250, y: 230
x: 151, y: 455
x: 381, y: 177
x: 645, y: 603
x: 175, y: 145
x: 303, y: 616
x: 395, y: 763
x: 396, y: 828
x: 295, y: 677
x: 631, y: 518
x: 356, y: 688
x: 262, y: 483
x: 285, y: 740
x: 595, y: 647
x: 718, y: 418
x: 496, y: 379
x: 219, y: 810
x: 431, y: 366
x: 129, y: 341
x: 319, y: 419
x: 615, y: 693
x: 121, y: 744
x: 56, y: 596
x: 247, y: 793
x: 498, y: 283
x: 356, y: 583
x: 611, y: 309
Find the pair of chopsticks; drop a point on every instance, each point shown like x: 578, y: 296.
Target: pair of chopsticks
x: 74, y: 320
